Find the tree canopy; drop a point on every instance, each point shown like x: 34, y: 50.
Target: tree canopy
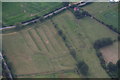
x: 83, y: 68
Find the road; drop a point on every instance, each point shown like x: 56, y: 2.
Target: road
x: 46, y: 16
x: 5, y: 66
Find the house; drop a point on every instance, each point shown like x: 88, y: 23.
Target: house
x: 76, y: 9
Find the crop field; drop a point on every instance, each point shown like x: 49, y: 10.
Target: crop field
x: 111, y: 52
x: 104, y: 11
x: 32, y: 51
x: 81, y: 34
x: 14, y: 12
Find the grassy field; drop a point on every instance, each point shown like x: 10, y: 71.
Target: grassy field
x: 14, y: 12
x: 110, y: 53
x: 33, y: 51
x: 104, y: 11
x: 82, y: 34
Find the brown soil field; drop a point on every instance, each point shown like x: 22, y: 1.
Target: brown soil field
x: 110, y: 53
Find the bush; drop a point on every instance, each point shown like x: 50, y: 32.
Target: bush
x: 18, y: 26
x: 118, y: 66
x: 99, y: 54
x: 73, y: 53
x: 119, y: 38
x: 78, y: 14
x: 102, y: 43
x: 60, y: 32
x: 65, y: 3
x: 112, y: 69
x: 83, y: 68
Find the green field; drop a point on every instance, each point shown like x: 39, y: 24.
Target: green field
x: 14, y: 12
x: 82, y: 34
x: 33, y: 51
x: 40, y: 50
x: 104, y: 11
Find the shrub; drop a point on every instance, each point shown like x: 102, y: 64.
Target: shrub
x: 83, y: 68
x: 118, y: 66
x: 73, y: 53
x: 18, y: 26
x: 78, y: 14
x: 60, y: 32
x: 112, y: 69
x: 119, y: 38
x: 102, y: 43
x: 99, y: 54
x: 65, y: 3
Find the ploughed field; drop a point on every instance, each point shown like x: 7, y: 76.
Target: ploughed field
x: 104, y: 11
x: 14, y: 12
x: 40, y: 50
x: 111, y: 52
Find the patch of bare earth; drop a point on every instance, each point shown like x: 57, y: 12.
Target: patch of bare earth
x: 110, y: 53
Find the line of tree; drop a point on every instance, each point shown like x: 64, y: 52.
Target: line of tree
x: 109, y: 26
x: 101, y: 58
x: 102, y: 43
x: 117, y: 30
x: 81, y: 65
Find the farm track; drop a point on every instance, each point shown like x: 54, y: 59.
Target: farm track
x: 46, y: 73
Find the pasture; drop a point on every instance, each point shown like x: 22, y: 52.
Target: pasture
x: 14, y: 12
x: 81, y: 34
x: 104, y: 11
x: 110, y: 53
x: 32, y: 50
x: 37, y: 50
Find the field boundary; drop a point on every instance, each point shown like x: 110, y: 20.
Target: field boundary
x: 46, y: 73
x: 107, y: 25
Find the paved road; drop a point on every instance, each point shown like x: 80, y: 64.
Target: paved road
x: 46, y: 16
x: 5, y: 66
